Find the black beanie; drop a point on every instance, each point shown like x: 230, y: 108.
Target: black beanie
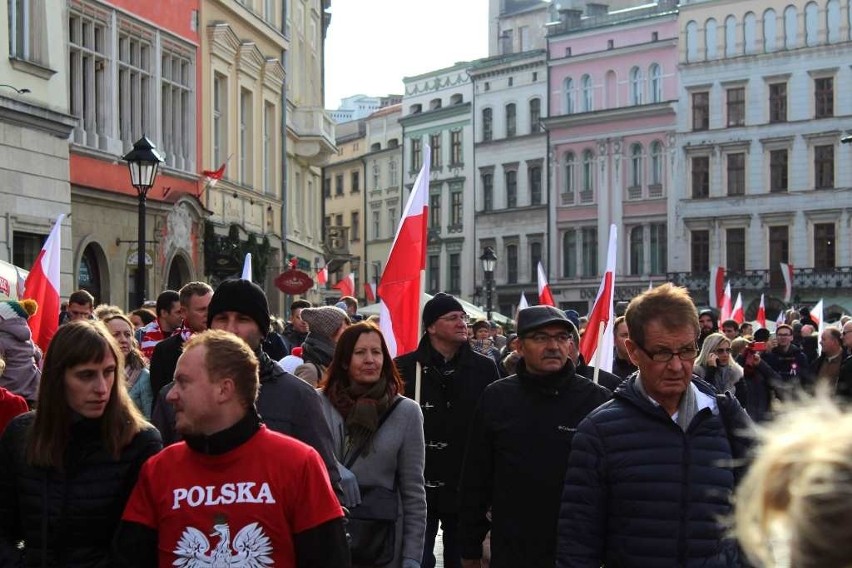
x: 240, y: 296
x: 440, y: 304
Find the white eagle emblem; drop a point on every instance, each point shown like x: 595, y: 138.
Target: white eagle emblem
x: 250, y: 548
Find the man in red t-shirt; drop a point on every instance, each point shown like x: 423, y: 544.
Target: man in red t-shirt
x: 233, y: 493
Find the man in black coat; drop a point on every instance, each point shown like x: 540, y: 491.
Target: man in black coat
x: 452, y: 377
x: 844, y: 382
x: 518, y: 447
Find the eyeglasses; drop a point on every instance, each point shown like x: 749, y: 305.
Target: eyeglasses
x: 783, y: 335
x: 544, y: 338
x: 685, y: 354
x: 722, y: 350
x: 455, y: 318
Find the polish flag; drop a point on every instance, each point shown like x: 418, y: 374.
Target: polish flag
x: 42, y: 285
x: 816, y: 315
x: 545, y: 298
x: 247, y: 267
x: 346, y: 286
x: 717, y: 286
x: 737, y: 313
x: 400, y: 288
x: 370, y: 292
x: 782, y: 318
x: 597, y: 343
x: 725, y: 306
x: 213, y: 176
x: 787, y: 273
x: 761, y: 313
x: 522, y: 303
x: 322, y: 275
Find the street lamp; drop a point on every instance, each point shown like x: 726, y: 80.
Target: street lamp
x: 143, y: 161
x: 489, y: 259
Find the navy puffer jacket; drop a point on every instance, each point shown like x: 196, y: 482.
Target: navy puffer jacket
x: 639, y: 491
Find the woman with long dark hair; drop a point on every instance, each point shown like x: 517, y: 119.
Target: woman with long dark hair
x: 67, y: 469
x: 360, y: 387
x: 136, y: 374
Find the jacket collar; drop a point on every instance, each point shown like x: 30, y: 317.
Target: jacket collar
x: 227, y: 439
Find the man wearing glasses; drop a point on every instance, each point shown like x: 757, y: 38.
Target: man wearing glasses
x: 844, y: 383
x: 519, y: 443
x: 650, y: 475
x: 452, y: 377
x: 787, y: 359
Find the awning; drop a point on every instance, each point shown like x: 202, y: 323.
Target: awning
x: 12, y: 280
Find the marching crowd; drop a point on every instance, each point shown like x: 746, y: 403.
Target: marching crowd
x: 203, y: 431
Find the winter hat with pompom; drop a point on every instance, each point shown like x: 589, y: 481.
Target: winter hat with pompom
x: 21, y: 309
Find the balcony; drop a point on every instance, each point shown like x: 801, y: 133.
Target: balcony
x: 806, y: 281
x: 314, y: 131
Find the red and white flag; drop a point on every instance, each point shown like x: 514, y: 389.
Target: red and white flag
x: 545, y: 298
x: 816, y: 315
x: 42, y: 285
x: 522, y: 303
x: 370, y: 292
x: 247, y: 267
x: 400, y: 288
x: 782, y: 318
x: 322, y: 275
x: 717, y: 286
x: 212, y: 177
x: 597, y: 344
x: 761, y: 313
x: 737, y: 313
x: 787, y: 273
x: 725, y: 306
x: 346, y: 285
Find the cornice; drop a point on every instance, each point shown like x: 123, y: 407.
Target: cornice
x: 251, y: 60
x: 273, y: 74
x: 436, y: 83
x: 666, y: 108
x: 223, y: 41
x: 462, y: 109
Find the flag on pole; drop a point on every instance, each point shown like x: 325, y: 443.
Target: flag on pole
x: 761, y: 314
x: 545, y: 298
x: 322, y: 275
x: 717, y: 286
x: 213, y: 176
x: 247, y: 267
x: 782, y: 318
x: 346, y: 285
x: 42, y: 285
x: 816, y: 315
x: 737, y: 313
x: 787, y: 273
x: 650, y: 285
x: 597, y: 343
x: 370, y: 292
x: 400, y: 286
x: 725, y: 307
x: 522, y: 303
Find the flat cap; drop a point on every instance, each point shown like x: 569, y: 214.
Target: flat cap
x: 535, y: 317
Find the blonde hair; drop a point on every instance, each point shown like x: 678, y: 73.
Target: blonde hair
x: 798, y: 491
x: 227, y: 356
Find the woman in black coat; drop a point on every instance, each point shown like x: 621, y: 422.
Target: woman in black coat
x: 67, y: 469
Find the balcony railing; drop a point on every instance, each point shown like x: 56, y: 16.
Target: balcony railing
x: 770, y: 281
x: 313, y: 121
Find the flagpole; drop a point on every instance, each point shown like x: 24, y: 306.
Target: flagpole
x: 599, y: 353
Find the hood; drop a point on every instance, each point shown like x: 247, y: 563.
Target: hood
x: 16, y: 328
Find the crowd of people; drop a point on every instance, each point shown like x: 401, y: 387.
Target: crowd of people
x: 204, y: 431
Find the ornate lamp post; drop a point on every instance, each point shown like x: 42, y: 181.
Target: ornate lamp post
x: 489, y: 260
x: 143, y: 161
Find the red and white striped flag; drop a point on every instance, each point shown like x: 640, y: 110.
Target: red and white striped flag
x: 597, y: 343
x: 322, y: 275
x: 761, y: 313
x: 212, y: 177
x: 522, y: 303
x: 370, y: 292
x: 787, y: 273
x: 725, y: 307
x: 545, y: 298
x: 42, y: 285
x: 816, y: 315
x: 737, y: 313
x: 346, y: 285
x: 400, y: 288
x: 717, y: 286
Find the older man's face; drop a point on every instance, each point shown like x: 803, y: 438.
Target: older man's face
x: 830, y: 345
x: 665, y: 381
x: 545, y: 350
x: 847, y: 335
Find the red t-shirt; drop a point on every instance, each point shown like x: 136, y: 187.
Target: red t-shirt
x: 241, y: 505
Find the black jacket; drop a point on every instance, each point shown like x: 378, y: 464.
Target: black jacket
x: 515, y: 464
x: 292, y: 338
x: 641, y: 492
x: 163, y: 363
x: 66, y: 518
x: 605, y: 379
x: 622, y: 367
x: 449, y: 394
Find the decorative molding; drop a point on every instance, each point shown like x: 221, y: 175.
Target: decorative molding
x: 224, y: 43
x: 250, y: 60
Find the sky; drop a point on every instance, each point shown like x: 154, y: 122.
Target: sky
x: 373, y: 44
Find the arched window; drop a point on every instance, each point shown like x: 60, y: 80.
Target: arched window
x: 588, y: 170
x: 611, y: 89
x: 636, y: 165
x: 832, y: 20
x: 569, y: 253
x: 570, y: 95
x: 710, y: 38
x: 769, y: 32
x: 656, y: 163
x: 487, y: 124
x: 636, y: 86
x: 692, y: 41
x: 811, y: 24
x: 636, y: 250
x: 570, y: 173
x: 655, y: 77
x: 588, y: 104
x: 750, y: 32
x: 790, y: 27
x: 730, y: 36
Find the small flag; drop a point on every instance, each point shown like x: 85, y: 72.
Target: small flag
x: 42, y: 285
x: 322, y: 275
x: 247, y: 267
x: 213, y: 176
x: 816, y: 315
x: 346, y: 285
x: 737, y: 313
x: 370, y: 292
x: 598, y: 343
x: 725, y: 307
x: 522, y: 303
x: 761, y: 313
x: 545, y: 298
x: 717, y: 286
x: 787, y: 273
x: 782, y: 318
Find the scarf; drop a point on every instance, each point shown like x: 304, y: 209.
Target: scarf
x: 360, y: 406
x: 317, y: 349
x: 686, y: 409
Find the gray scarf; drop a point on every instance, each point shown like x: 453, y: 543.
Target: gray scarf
x: 686, y: 410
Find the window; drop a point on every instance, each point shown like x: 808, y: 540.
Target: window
x: 510, y: 120
x: 456, y: 209
x: 487, y: 192
x: 435, y: 210
x: 692, y: 41
x: 636, y: 86
x: 779, y: 251
x: 392, y: 221
x: 636, y: 165
x: 736, y: 106
x: 377, y: 225
x: 568, y: 89
x: 824, y: 245
x: 535, y: 185
x: 659, y: 248
x: 392, y: 173
x: 338, y: 220
x: 636, y: 250
x: 355, y: 227
x: 416, y: 154
x: 87, y: 77
x: 27, y: 26
x: 811, y: 24
x: 588, y: 170
x: 268, y: 147
x: 456, y: 99
x: 569, y: 254
x: 824, y: 167
x: 178, y: 99
x: 750, y: 33
x: 778, y: 102
x: 376, y: 175
x: 656, y: 163
x: 435, y: 143
x: 246, y: 138
x: 736, y: 174
x: 700, y: 177
x: 356, y: 182
x: 455, y: 273
x: 790, y: 27
x: 769, y: 28
x: 134, y: 87
x: 778, y: 171
x: 535, y: 258
x: 730, y: 36
x: 590, y: 251
x: 434, y: 273
x: 326, y: 187
x: 511, y: 189
x: 487, y: 125
x: 535, y: 116
x: 735, y: 246
x: 570, y: 172
x: 456, y: 147
x: 512, y: 264
x: 655, y: 75
x: 220, y: 119
x: 710, y: 34
x: 434, y: 104
x: 338, y: 184
x: 823, y: 97
x: 588, y: 104
x: 700, y: 251
x: 700, y: 111
x: 26, y: 247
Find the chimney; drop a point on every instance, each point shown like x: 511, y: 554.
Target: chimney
x: 596, y: 10
x: 570, y: 17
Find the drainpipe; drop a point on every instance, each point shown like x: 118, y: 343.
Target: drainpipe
x: 284, y: 171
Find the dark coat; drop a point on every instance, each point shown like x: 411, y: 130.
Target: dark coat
x: 782, y: 363
x: 844, y: 382
x: 639, y: 491
x: 758, y: 388
x: 622, y: 367
x: 66, y: 518
x: 515, y: 464
x: 163, y: 363
x: 605, y: 379
x: 448, y: 402
x: 292, y: 338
